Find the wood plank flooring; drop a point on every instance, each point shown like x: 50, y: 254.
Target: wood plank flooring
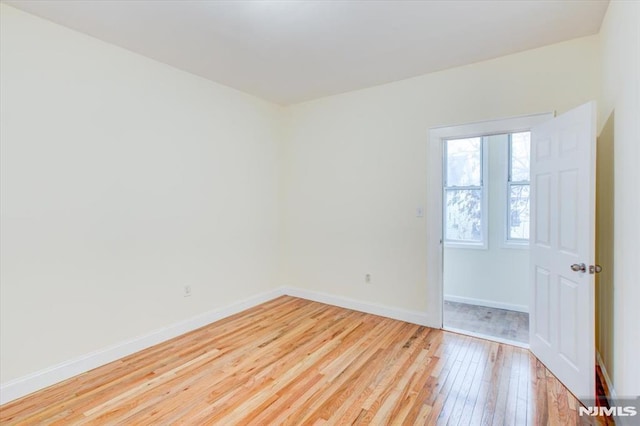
x: 291, y: 361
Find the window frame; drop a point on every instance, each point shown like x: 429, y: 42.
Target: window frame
x: 522, y: 243
x: 483, y: 244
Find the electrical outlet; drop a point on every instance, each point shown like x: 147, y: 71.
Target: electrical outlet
x: 367, y: 278
x: 186, y: 291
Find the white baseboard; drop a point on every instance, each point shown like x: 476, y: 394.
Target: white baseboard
x: 30, y: 383
x: 487, y: 303
x: 612, y: 392
x: 414, y: 317
x: 25, y: 385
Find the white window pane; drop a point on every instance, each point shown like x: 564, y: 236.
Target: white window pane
x: 520, y: 156
x: 464, y: 162
x: 464, y: 215
x: 519, y: 212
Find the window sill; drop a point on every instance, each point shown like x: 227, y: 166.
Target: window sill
x: 472, y: 246
x: 518, y: 245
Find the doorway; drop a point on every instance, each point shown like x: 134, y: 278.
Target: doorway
x: 562, y: 233
x: 486, y: 216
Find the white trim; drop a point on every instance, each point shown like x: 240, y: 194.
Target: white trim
x: 25, y: 385
x: 509, y: 184
x: 487, y: 303
x: 471, y: 246
x: 486, y: 337
x: 434, y: 261
x: 414, y: 317
x: 511, y: 244
x: 612, y: 392
x: 522, y: 123
x: 484, y: 199
x: 30, y: 383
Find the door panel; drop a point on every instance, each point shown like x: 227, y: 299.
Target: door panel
x: 543, y: 212
x: 541, y: 326
x: 568, y: 305
x: 563, y: 230
x: 569, y: 190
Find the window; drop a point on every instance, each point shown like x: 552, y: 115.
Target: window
x: 464, y: 195
x: 518, y: 188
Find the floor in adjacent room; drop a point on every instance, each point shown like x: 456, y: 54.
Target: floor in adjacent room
x: 294, y: 361
x: 491, y: 322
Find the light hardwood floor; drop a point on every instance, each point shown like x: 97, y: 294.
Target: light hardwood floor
x: 292, y: 361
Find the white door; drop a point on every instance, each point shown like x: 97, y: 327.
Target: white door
x: 562, y: 329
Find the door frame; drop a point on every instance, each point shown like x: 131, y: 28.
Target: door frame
x: 435, y: 228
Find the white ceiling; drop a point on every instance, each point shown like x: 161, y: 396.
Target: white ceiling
x: 292, y: 51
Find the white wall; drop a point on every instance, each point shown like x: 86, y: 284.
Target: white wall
x: 620, y: 44
x: 356, y: 167
x: 123, y: 179
x: 497, y: 276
